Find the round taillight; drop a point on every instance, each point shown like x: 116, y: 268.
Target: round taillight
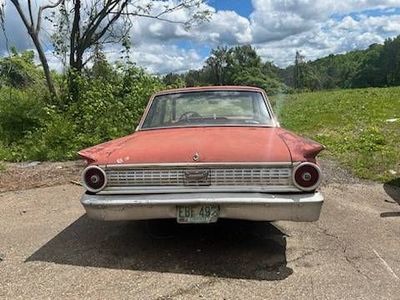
x: 307, y: 176
x: 94, y: 179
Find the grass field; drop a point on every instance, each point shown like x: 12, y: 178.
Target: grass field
x: 360, y: 128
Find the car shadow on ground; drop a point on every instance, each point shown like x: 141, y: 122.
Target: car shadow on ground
x: 230, y: 249
x: 392, y: 189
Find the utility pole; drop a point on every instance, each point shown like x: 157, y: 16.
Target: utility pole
x: 298, y: 75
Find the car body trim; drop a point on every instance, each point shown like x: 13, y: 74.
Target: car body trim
x: 202, y: 165
x: 303, y: 207
x: 197, y: 189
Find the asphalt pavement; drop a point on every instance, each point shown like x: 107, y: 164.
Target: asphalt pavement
x: 50, y: 249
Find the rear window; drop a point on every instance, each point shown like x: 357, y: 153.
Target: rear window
x: 211, y: 108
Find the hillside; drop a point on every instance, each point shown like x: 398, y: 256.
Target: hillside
x: 376, y: 66
x: 360, y: 128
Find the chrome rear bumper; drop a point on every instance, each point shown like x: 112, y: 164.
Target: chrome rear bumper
x: 300, y: 207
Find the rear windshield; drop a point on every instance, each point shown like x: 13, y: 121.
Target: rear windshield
x: 212, y: 108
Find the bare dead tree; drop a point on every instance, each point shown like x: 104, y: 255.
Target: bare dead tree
x: 109, y: 21
x: 33, y: 26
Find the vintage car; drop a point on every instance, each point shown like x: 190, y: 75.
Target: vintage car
x: 200, y: 154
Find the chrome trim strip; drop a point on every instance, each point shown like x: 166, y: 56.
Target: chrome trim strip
x: 201, y: 165
x: 210, y: 89
x: 210, y: 125
x: 198, y: 189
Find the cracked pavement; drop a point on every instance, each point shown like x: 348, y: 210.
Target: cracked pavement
x: 50, y: 249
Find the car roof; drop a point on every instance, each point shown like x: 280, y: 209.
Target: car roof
x: 210, y: 88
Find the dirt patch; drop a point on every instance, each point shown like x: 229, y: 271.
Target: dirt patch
x: 22, y: 176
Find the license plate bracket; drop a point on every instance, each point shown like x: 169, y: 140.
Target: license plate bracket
x: 197, y: 214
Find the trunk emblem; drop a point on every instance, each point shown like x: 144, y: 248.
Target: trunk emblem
x: 196, y: 156
x: 197, y: 177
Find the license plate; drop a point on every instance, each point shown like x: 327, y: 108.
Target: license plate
x: 197, y: 214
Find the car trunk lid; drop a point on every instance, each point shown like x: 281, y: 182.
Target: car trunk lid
x: 193, y: 145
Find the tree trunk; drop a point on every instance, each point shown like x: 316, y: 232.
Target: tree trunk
x: 34, y: 34
x: 45, y: 66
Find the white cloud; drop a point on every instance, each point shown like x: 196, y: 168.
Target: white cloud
x: 278, y: 19
x: 161, y: 58
x: 332, y: 37
x: 224, y: 27
x: 166, y: 58
x: 277, y: 28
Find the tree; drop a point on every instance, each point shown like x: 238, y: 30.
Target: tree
x: 101, y: 68
x: 33, y: 25
x: 173, y: 80
x: 390, y: 61
x: 18, y: 69
x: 243, y: 62
x: 194, y: 78
x: 217, y: 63
x: 82, y: 25
x: 240, y: 65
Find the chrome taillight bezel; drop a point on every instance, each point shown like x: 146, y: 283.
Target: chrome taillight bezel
x: 314, y: 186
x: 86, y: 186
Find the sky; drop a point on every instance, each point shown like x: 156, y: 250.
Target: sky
x: 275, y: 28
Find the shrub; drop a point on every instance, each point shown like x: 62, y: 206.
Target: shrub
x: 19, y: 70
x: 109, y: 107
x: 56, y: 140
x: 107, y: 110
x: 21, y: 112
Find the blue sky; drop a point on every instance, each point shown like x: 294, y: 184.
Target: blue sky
x: 243, y: 8
x: 276, y: 28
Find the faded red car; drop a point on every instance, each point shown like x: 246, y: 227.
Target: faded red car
x: 200, y: 154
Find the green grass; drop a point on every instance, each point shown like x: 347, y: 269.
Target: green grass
x: 352, y: 124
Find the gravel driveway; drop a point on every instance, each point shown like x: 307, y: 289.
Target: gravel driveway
x: 50, y: 249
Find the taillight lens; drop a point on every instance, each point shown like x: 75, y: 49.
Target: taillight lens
x: 307, y: 176
x: 94, y: 179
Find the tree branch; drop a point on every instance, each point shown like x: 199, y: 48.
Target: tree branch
x: 21, y: 14
x: 43, y: 8
x: 99, y: 35
x: 30, y: 14
x: 171, y: 9
x: 93, y: 26
x: 156, y: 17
